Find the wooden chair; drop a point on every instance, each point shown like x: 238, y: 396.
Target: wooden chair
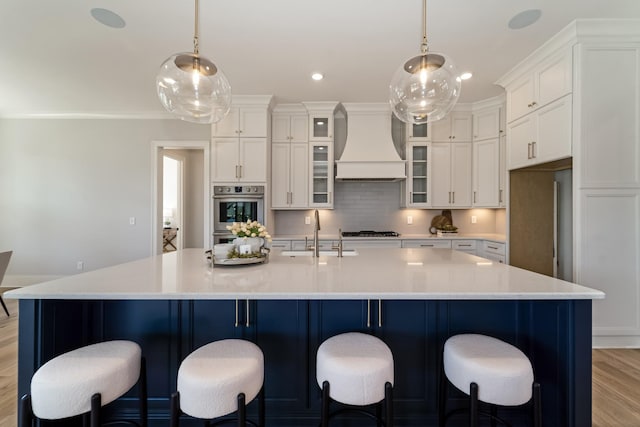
x: 4, y: 262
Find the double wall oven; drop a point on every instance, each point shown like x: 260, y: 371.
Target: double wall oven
x: 235, y: 204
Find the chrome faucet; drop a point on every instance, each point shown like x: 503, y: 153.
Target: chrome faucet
x: 316, y: 241
x: 339, y: 247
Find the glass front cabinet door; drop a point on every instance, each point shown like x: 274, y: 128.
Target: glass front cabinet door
x: 418, y: 179
x: 321, y: 128
x: 321, y: 182
x: 420, y: 132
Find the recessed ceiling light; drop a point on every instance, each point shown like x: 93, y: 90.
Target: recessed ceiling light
x: 524, y: 19
x: 466, y: 76
x: 107, y: 17
x: 317, y: 76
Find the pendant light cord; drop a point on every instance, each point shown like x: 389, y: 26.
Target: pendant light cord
x: 195, y: 31
x: 424, y: 47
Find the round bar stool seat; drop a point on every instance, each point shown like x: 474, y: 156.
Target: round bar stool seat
x: 63, y: 387
x: 487, y: 370
x: 357, y: 366
x: 503, y: 373
x: 211, y: 377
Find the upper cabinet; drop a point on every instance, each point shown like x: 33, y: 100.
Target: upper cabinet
x: 418, y: 133
x: 247, y: 122
x: 486, y: 123
x: 548, y: 81
x: 239, y: 142
x: 417, y: 186
x: 289, y: 157
x: 542, y: 136
x: 321, y: 120
x: 289, y: 127
x: 454, y: 127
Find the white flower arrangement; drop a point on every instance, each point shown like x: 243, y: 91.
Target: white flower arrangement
x: 249, y: 229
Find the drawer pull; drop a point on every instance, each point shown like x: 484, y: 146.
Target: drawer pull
x: 466, y: 245
x: 427, y: 246
x: 492, y: 247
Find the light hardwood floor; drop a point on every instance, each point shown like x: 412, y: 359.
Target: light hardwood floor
x: 616, y: 380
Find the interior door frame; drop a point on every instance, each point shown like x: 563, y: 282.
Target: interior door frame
x: 156, y: 189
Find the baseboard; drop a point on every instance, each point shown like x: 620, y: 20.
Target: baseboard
x: 632, y: 341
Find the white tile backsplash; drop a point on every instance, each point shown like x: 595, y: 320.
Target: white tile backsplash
x: 376, y: 206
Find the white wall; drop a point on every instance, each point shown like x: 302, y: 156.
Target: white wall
x: 69, y: 186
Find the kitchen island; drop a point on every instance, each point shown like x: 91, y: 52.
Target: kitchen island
x: 413, y: 299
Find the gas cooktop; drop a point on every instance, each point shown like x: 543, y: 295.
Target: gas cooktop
x: 370, y: 233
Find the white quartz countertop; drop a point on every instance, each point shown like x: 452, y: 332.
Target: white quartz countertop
x: 375, y: 273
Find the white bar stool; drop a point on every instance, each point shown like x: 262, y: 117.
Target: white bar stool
x: 356, y: 370
x: 487, y: 370
x: 83, y: 380
x: 218, y: 379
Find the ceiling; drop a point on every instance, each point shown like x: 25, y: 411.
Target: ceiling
x: 57, y: 59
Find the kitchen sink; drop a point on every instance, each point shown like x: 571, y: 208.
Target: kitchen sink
x: 350, y: 252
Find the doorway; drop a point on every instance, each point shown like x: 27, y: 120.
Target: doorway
x: 172, y: 201
x: 192, y: 215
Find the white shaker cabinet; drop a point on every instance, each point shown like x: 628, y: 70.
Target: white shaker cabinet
x: 289, y: 157
x: 289, y: 127
x: 289, y: 175
x: 486, y: 123
x: 486, y: 173
x: 548, y: 81
x: 321, y: 175
x: 243, y: 121
x: 451, y: 174
x: 454, y: 127
x: 239, y: 159
x: 541, y: 136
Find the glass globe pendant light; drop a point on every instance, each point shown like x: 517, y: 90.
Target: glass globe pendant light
x: 192, y: 87
x: 426, y: 87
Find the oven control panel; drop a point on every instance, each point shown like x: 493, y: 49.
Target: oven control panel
x: 238, y: 190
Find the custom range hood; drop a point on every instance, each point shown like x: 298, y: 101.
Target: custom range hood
x: 369, y: 153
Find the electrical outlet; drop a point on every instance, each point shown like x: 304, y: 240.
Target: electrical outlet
x: 409, y: 219
x: 80, y: 265
x: 474, y: 219
x: 307, y: 220
x: 132, y: 220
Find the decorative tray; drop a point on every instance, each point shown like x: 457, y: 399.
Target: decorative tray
x: 259, y: 258
x: 239, y: 261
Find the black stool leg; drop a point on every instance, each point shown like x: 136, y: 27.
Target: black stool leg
x: 379, y: 414
x: 4, y: 306
x: 442, y: 398
x: 324, y: 415
x: 388, y: 397
x: 537, y: 405
x: 494, y: 415
x: 142, y: 393
x: 473, y: 405
x: 26, y: 413
x: 261, y: 407
x: 242, y: 411
x: 175, y: 409
x: 96, y: 404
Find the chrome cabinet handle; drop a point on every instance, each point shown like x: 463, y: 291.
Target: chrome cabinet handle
x: 236, y: 323
x: 240, y: 167
x: 533, y: 150
x: 427, y: 246
x: 529, y: 151
x: 247, y: 323
x: 474, y: 197
x: 492, y: 247
x: 500, y: 196
x: 453, y: 197
x: 379, y: 313
x: 368, y: 313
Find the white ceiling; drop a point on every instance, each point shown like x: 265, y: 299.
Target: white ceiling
x: 55, y: 58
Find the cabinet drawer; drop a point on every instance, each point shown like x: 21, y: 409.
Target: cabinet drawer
x: 464, y: 245
x: 489, y: 247
x: 495, y: 257
x: 284, y: 245
x: 355, y: 244
x: 427, y: 243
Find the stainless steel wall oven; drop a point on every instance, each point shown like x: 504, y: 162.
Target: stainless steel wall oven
x: 235, y: 204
